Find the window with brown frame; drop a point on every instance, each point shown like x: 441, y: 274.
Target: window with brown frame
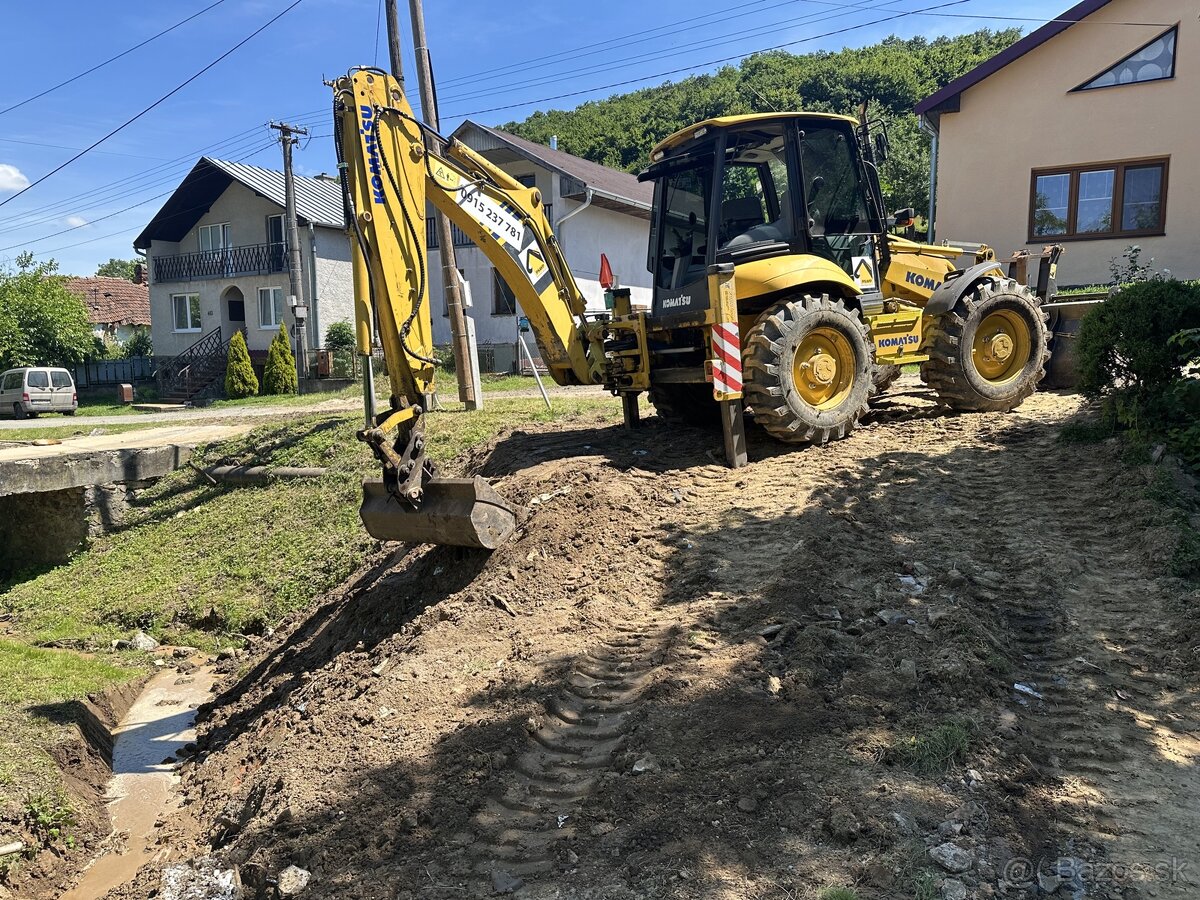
x: 1099, y: 200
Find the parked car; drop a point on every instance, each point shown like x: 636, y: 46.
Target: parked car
x: 29, y: 391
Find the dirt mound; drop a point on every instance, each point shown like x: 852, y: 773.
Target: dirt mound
x: 681, y: 681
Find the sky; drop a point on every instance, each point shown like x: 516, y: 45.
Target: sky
x: 493, y: 62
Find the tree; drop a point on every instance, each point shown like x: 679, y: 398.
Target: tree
x: 279, y: 375
x: 340, y: 340
x: 240, y: 380
x: 118, y: 268
x: 41, y: 322
x: 141, y: 344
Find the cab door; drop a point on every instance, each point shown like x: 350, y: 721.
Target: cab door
x: 680, y: 238
x: 839, y: 223
x: 62, y: 390
x: 37, y: 386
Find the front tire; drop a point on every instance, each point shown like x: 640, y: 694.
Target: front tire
x: 990, y: 351
x: 808, y: 370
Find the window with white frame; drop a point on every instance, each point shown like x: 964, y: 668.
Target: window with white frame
x: 214, y: 237
x: 270, y: 307
x: 186, y: 308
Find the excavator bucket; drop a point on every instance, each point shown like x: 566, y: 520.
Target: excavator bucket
x: 461, y: 512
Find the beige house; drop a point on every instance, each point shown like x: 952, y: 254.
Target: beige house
x: 1082, y: 133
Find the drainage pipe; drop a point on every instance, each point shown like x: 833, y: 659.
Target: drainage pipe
x: 260, y: 474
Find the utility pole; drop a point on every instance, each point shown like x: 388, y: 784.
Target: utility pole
x: 468, y: 390
x: 393, y: 31
x: 287, y: 137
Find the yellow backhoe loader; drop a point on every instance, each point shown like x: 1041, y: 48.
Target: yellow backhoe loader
x: 779, y: 291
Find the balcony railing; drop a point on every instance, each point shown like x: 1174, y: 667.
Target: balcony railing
x: 252, y: 259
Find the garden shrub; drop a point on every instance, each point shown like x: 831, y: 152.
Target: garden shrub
x: 240, y: 380
x: 279, y: 375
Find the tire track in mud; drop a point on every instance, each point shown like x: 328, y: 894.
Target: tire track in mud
x: 524, y: 829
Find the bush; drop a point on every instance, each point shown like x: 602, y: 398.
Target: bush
x: 279, y: 376
x: 340, y: 336
x: 240, y: 380
x: 140, y: 344
x: 1125, y: 343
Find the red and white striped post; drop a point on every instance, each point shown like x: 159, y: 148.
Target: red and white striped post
x: 727, y: 362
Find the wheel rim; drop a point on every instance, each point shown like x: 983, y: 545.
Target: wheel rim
x: 823, y: 368
x: 1002, y: 346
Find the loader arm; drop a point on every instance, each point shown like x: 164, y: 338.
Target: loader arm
x: 390, y: 166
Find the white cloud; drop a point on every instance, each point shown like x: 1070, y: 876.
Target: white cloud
x: 76, y: 221
x: 11, y: 178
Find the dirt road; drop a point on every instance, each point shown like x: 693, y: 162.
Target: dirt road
x: 937, y: 659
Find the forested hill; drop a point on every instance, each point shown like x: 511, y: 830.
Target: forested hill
x: 895, y: 74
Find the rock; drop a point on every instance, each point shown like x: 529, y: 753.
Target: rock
x: 952, y: 889
x: 226, y: 653
x: 503, y: 883
x: 952, y: 857
x: 774, y: 686
x: 602, y: 828
x: 292, y: 881
x: 199, y: 879
x: 770, y: 631
x: 832, y: 613
x: 892, y: 616
x: 1156, y: 454
x: 142, y: 641
x: 908, y: 669
x: 949, y: 829
x: 644, y: 765
x: 747, y: 804
x: 843, y: 824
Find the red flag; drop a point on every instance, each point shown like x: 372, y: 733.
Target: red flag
x: 606, y: 275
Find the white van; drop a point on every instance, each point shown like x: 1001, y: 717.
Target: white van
x: 29, y: 391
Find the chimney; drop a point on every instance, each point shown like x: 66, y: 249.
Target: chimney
x: 554, y: 142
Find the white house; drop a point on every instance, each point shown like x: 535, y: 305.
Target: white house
x: 216, y: 256
x: 592, y: 208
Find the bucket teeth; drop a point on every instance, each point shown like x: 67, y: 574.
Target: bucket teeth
x: 460, y: 512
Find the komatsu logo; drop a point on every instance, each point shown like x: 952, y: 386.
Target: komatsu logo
x: 907, y: 340
x: 682, y: 300
x: 923, y: 281
x: 368, y: 133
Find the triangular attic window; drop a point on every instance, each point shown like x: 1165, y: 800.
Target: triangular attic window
x: 1153, y: 62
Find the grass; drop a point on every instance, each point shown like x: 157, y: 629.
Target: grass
x: 35, y: 686
x: 838, y: 893
x: 200, y: 565
x: 935, y: 751
x: 513, y: 383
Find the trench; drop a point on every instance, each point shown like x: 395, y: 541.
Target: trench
x: 149, y: 737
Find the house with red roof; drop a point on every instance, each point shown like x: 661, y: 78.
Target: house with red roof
x: 117, y: 308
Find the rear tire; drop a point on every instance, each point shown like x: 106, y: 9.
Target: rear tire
x: 990, y: 351
x: 686, y: 404
x: 18, y: 412
x: 69, y: 412
x: 884, y: 376
x: 808, y: 370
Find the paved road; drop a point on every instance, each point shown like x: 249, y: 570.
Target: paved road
x: 225, y: 413
x: 143, y: 439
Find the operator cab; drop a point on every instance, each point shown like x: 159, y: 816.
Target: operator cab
x: 747, y: 188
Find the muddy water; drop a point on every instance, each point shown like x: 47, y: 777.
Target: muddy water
x: 161, y: 721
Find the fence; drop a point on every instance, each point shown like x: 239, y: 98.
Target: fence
x: 114, y: 371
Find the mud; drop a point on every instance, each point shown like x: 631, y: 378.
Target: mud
x: 684, y: 682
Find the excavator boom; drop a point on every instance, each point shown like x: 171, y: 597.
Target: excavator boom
x: 391, y: 166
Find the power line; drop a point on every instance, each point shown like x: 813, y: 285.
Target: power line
x: 713, y: 62
x: 731, y: 37
x: 113, y: 234
x: 111, y: 59
x: 156, y: 103
x: 61, y: 147
x: 47, y: 237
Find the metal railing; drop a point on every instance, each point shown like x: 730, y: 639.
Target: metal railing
x: 196, y: 368
x: 251, y: 259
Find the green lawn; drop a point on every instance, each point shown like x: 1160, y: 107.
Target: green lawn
x: 64, y: 431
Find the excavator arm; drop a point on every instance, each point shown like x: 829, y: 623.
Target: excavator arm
x: 391, y: 166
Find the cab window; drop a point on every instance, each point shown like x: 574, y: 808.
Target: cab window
x: 755, y: 205
x: 60, y: 379
x: 12, y: 381
x: 838, y: 223
x: 37, y: 380
x: 684, y: 225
